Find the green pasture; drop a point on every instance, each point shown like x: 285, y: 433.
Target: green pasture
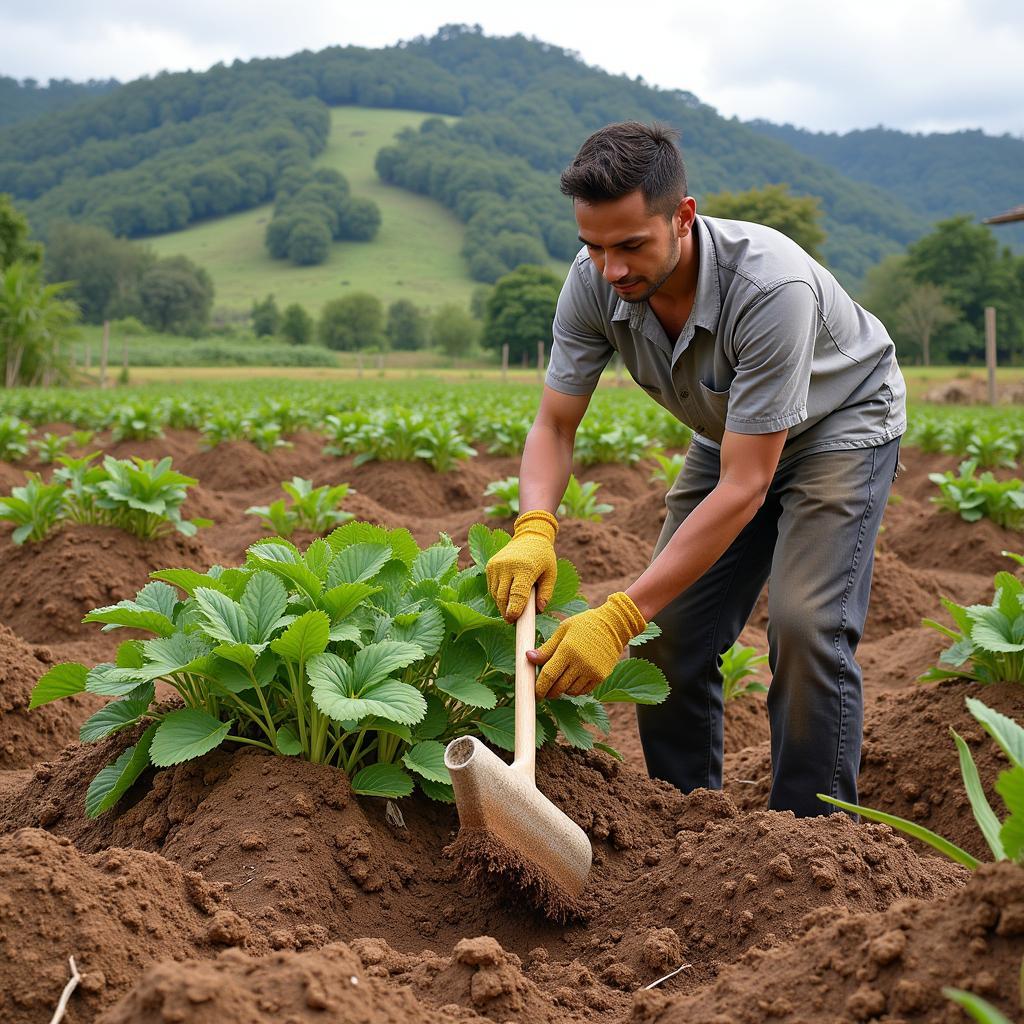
x: 416, y: 254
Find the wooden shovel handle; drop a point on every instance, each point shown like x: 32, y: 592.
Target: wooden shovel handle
x: 526, y: 690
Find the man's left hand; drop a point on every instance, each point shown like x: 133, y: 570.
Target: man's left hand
x: 585, y: 648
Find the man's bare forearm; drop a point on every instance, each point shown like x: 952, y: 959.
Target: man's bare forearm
x: 701, y: 539
x: 545, y: 469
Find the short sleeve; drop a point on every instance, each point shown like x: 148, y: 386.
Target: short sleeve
x: 774, y: 347
x: 580, y: 349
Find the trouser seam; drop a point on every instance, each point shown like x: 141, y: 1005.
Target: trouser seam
x: 841, y: 675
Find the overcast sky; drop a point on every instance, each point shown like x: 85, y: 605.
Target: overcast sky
x: 918, y: 65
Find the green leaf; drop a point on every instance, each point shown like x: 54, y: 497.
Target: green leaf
x: 188, y: 580
x: 467, y: 690
x: 346, y: 632
x: 427, y: 759
x: 993, y: 631
x: 225, y: 619
x: 499, y: 646
x: 463, y: 657
x: 130, y: 654
x: 264, y: 602
x: 358, y: 563
x: 187, y: 734
x: 633, y: 681
x: 611, y: 751
x: 318, y: 557
x: 567, y: 585
x: 1005, y: 731
x: 568, y: 718
x: 382, y: 780
x: 435, y: 563
x: 437, y: 790
x: 108, y: 680
x: 1010, y: 786
x: 652, y: 631
x: 111, y: 718
x: 980, y: 1009
x: 244, y: 655
x: 377, y: 724
x: 400, y: 540
x: 435, y: 721
x: 339, y: 602
x: 484, y: 543
x: 127, y: 613
x: 61, y: 681
x: 499, y: 726
x: 306, y: 637
x: 426, y: 631
x: 983, y: 813
x: 461, y: 618
x: 926, y: 835
x: 398, y: 702
x: 377, y: 661
x: 287, y: 742
x: 178, y: 653
x: 112, y: 782
x: 592, y: 711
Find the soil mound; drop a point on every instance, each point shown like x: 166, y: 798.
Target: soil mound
x: 601, y: 551
x: 115, y: 912
x: 734, y: 880
x: 925, y: 537
x: 232, y: 466
x: 909, y: 764
x: 900, y: 596
x: 414, y: 489
x: 329, y: 984
x: 886, y: 966
x: 46, y: 588
x: 176, y: 443
x: 483, y: 978
x: 28, y: 736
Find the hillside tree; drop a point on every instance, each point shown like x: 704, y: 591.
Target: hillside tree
x: 352, y: 323
x: 520, y: 310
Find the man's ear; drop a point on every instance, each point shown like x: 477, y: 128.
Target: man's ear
x: 684, y: 215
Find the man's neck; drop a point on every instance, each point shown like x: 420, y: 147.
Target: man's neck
x: 673, y: 301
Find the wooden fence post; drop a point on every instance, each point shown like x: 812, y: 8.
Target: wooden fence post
x: 504, y: 363
x: 104, y: 352
x: 990, y: 351
x: 540, y: 360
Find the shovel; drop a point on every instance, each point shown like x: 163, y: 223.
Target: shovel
x: 508, y: 829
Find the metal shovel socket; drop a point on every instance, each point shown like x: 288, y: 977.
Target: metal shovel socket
x: 503, y: 799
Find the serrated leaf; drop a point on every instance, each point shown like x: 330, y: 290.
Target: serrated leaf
x: 264, y: 602
x: 111, y: 718
x: 400, y: 540
x: 651, y: 631
x: 426, y: 631
x: 225, y: 620
x: 633, y: 681
x: 426, y: 758
x: 244, y: 655
x: 499, y: 726
x: 177, y: 653
x: 112, y: 782
x: 188, y: 580
x: 464, y: 657
x: 318, y: 557
x: 386, y: 780
x: 287, y: 742
x: 306, y: 637
x: 568, y: 718
x: 346, y: 632
x: 591, y: 711
x: 437, y: 790
x: 462, y: 618
x: 992, y: 631
x: 567, y: 585
x: 1010, y: 786
x: 390, y: 699
x: 467, y: 690
x: 128, y: 614
x: 342, y: 600
x: 186, y: 734
x: 60, y: 681
x: 130, y: 654
x: 485, y: 543
x: 435, y: 563
x: 499, y: 646
x: 358, y: 563
x: 377, y: 661
x: 108, y: 680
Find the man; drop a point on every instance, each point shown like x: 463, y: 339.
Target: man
x: 797, y: 405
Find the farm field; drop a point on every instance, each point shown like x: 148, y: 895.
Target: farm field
x: 244, y: 886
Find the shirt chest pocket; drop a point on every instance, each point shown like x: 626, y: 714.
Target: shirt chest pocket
x: 714, y: 409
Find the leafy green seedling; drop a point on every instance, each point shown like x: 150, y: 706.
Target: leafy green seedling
x: 579, y: 501
x: 34, y: 508
x: 739, y: 667
x: 311, y: 508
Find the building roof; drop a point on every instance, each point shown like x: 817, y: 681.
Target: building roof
x: 1015, y: 214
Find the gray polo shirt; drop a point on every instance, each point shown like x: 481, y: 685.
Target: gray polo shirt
x: 773, y: 341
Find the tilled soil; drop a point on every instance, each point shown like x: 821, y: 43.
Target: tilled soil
x: 244, y: 887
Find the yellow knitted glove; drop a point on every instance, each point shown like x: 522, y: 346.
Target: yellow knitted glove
x: 528, y: 559
x: 585, y: 648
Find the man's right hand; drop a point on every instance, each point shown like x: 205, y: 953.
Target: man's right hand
x: 527, y: 560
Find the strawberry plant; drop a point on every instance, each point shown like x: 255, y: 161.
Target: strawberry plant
x: 739, y: 665
x: 34, y: 508
x: 1005, y: 839
x: 222, y: 427
x: 311, y: 508
x: 137, y: 422
x: 507, y: 493
x: 51, y: 446
x: 621, y: 443
x: 988, y: 640
x: 342, y: 430
x: 579, y: 501
x: 442, y: 446
x: 992, y: 447
x: 972, y: 496
x: 364, y: 652
x: 668, y: 467
x: 14, y: 435
x: 265, y: 436
x: 507, y: 436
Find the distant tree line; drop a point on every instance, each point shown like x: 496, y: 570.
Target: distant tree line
x: 27, y: 98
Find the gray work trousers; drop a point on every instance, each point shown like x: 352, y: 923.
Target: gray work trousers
x: 815, y: 537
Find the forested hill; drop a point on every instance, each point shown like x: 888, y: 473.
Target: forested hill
x: 22, y: 100
x: 160, y: 153
x: 935, y: 175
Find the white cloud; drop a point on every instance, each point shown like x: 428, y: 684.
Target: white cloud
x: 909, y: 64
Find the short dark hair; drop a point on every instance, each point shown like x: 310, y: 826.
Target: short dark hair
x: 623, y: 157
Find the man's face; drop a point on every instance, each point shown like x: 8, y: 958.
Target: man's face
x: 635, y: 250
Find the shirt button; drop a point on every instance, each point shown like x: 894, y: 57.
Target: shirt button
x: 684, y: 394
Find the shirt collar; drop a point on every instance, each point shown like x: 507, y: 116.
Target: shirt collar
x: 707, y: 303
